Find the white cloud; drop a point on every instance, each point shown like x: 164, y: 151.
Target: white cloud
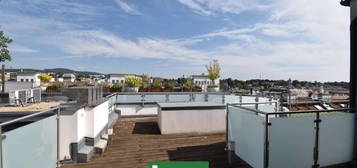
x: 127, y: 8
x: 210, y: 7
x: 22, y: 49
x: 102, y: 43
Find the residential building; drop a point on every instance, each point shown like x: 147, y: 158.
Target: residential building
x: 69, y: 77
x: 203, y: 81
x: 118, y: 78
x: 29, y: 77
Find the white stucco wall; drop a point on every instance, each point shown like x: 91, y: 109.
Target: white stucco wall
x: 101, y: 117
x: 137, y: 110
x: 72, y: 129
x: 27, y: 78
x: 192, y: 121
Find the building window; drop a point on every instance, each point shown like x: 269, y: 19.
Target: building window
x: 32, y: 80
x: 26, y: 80
x: 22, y: 80
x: 113, y: 81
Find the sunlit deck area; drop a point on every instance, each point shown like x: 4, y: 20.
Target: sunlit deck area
x: 138, y: 141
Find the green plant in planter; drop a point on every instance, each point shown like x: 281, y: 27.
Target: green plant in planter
x: 188, y: 84
x: 117, y: 86
x: 133, y: 81
x: 196, y: 87
x: 214, y: 71
x: 170, y: 84
x: 156, y: 85
x: 104, y: 85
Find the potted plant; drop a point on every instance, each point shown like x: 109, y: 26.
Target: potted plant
x: 132, y: 83
x: 54, y: 88
x: 144, y: 88
x: 156, y: 86
x: 187, y: 86
x: 117, y: 87
x: 214, y: 71
x: 105, y: 87
x: 169, y: 85
x: 197, y: 88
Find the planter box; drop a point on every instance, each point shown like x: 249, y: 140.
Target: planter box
x: 167, y: 90
x: 115, y: 89
x: 155, y: 90
x: 143, y: 89
x: 53, y: 90
x: 187, y: 90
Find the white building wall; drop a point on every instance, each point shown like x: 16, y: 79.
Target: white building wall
x: 113, y: 80
x: 29, y: 78
x: 101, y: 117
x: 137, y: 110
x: 192, y: 121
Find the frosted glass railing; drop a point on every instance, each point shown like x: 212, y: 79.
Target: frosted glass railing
x: 291, y: 142
x: 215, y: 98
x: 200, y: 97
x: 246, y: 130
x: 220, y: 98
x: 31, y: 146
x: 336, y: 138
x: 294, y: 140
x: 134, y: 98
x: 179, y: 98
x: 155, y: 98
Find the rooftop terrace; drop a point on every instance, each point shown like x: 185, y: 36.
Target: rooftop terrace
x: 137, y: 141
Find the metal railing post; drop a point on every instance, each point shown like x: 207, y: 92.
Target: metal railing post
x: 58, y: 136
x: 256, y: 100
x: 223, y: 99
x: 167, y: 98
x: 316, y: 148
x: 1, y: 152
x: 266, y: 141
x: 142, y: 99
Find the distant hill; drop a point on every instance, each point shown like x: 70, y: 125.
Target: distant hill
x: 55, y: 70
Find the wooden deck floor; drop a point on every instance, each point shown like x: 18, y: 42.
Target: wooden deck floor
x: 137, y: 141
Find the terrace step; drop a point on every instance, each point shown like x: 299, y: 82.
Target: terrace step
x: 100, y: 146
x: 85, y: 153
x: 105, y: 136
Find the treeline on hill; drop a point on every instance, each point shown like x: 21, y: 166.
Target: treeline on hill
x: 265, y: 83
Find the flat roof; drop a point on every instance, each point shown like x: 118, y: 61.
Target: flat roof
x: 31, y: 107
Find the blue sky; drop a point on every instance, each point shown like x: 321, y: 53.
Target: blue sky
x: 275, y: 39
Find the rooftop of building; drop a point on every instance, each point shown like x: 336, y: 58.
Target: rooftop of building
x: 120, y: 74
x: 31, y: 107
x: 28, y: 73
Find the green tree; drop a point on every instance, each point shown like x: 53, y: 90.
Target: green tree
x: 4, y: 51
x: 45, y: 78
x: 4, y: 54
x: 213, y: 70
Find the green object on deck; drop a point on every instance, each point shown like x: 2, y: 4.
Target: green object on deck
x: 167, y: 164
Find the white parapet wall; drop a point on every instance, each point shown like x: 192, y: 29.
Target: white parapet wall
x: 177, y: 118
x: 137, y: 109
x: 72, y: 130
x: 85, y: 122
